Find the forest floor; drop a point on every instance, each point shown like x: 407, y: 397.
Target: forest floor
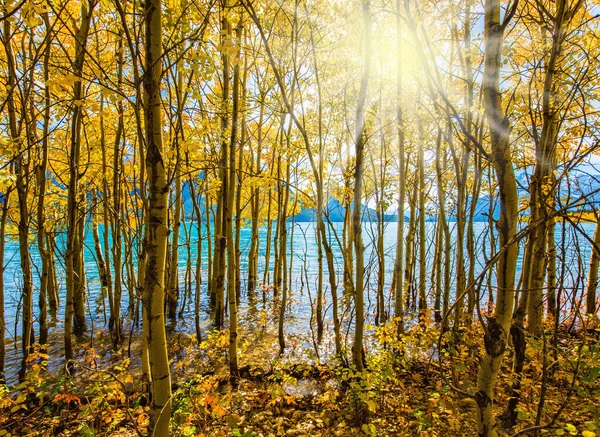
x: 406, y: 390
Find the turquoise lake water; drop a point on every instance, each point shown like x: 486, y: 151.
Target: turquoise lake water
x: 303, y: 255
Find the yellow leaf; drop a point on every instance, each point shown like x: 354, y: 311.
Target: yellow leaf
x: 588, y: 433
x: 220, y: 412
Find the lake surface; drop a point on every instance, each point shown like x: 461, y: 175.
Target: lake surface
x: 575, y: 250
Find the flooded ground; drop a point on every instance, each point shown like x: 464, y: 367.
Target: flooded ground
x: 258, y: 310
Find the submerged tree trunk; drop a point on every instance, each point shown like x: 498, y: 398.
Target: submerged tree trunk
x: 444, y: 240
x: 102, y: 268
x: 399, y: 264
x: 107, y: 220
x: 219, y: 260
x: 74, y: 245
x: 231, y: 254
x: 255, y: 201
x: 283, y: 254
x: 116, y: 221
x: 543, y: 186
x: 266, y: 273
x: 5, y: 198
x: 172, y: 293
x: 592, y: 281
x: 21, y: 169
x: 198, y: 276
x: 41, y: 170
x: 53, y: 279
x: 409, y: 263
x: 422, y: 236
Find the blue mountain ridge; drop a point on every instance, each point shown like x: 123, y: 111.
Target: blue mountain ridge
x: 584, y: 181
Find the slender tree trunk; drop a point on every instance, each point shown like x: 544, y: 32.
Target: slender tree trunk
x: 444, y: 240
x: 239, y: 172
x: 3, y: 217
x: 422, y: 236
x: 198, y: 283
x: 496, y: 329
x: 551, y: 248
x: 409, y: 269
x: 209, y: 251
x: 53, y: 279
x: 348, y: 251
x: 79, y: 298
x: 74, y: 245
x: 21, y: 169
x: 399, y: 264
x: 476, y: 184
x: 592, y: 281
x: 277, y: 239
x: 219, y: 266
x: 379, y: 186
x: 266, y: 277
x: 157, y: 225
x: 41, y: 170
x: 542, y: 181
x: 102, y: 269
x: 117, y: 222
x: 107, y: 220
x: 360, y: 140
x: 173, y: 275
x: 255, y: 201
x: 230, y: 191
x: 283, y: 254
x: 322, y: 242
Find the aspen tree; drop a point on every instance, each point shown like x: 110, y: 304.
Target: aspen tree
x: 220, y: 250
x: 444, y: 241
x: 100, y: 261
x: 322, y: 239
x: 380, y: 183
x: 228, y: 211
x: 422, y: 235
x: 359, y: 143
x: 318, y: 181
x: 74, y: 243
x: 157, y: 225
x: 21, y: 169
x: 255, y: 168
x: 540, y: 242
x: 409, y: 262
x: 198, y: 276
x: 116, y: 221
x: 173, y: 292
x: 592, y: 280
x: 285, y: 195
x: 107, y: 220
x: 399, y: 263
x: 3, y: 217
x: 542, y: 186
x: 470, y: 126
x: 41, y: 169
x: 497, y: 326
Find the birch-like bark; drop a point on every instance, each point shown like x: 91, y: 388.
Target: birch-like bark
x: 497, y: 326
x: 157, y: 225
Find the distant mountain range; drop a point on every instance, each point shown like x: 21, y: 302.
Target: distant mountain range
x: 585, y: 179
x: 336, y: 212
